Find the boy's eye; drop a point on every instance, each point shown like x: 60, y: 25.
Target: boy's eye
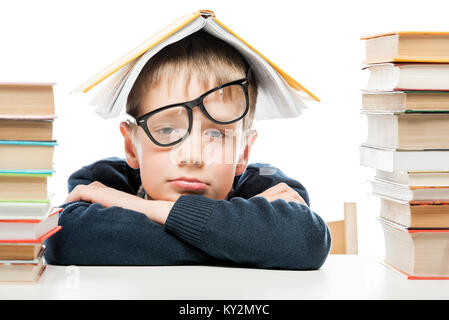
x: 171, y: 132
x: 215, y: 133
x: 166, y: 130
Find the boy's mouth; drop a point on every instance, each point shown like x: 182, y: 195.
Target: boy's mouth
x: 189, y: 184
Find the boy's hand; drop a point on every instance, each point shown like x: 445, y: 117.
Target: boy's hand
x: 96, y: 192
x: 282, y: 191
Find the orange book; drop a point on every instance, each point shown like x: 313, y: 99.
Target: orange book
x: 20, y: 251
x: 415, y: 214
x: 407, y: 46
x: 279, y: 95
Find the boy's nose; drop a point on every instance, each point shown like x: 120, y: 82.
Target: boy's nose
x: 190, y: 150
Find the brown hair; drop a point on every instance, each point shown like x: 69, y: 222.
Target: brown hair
x: 200, y: 53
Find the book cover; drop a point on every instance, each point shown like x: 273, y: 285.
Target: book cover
x: 279, y: 95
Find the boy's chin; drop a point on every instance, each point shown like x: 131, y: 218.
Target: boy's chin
x: 177, y: 195
x: 174, y: 195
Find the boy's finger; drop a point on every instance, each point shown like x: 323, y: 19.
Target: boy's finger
x: 97, y: 184
x: 75, y: 195
x: 81, y: 193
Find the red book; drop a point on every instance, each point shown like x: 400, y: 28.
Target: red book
x: 416, y: 253
x: 30, y: 230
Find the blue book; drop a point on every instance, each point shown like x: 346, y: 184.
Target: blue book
x: 26, y: 156
x: 29, y: 143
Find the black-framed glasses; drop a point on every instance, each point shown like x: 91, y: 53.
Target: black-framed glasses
x: 225, y: 104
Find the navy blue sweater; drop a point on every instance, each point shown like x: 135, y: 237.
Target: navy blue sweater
x: 243, y: 230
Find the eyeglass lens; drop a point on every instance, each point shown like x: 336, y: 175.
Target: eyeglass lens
x: 223, y: 105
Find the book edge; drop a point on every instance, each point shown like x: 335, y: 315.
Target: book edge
x: 38, y: 240
x: 378, y: 35
x: 408, y: 276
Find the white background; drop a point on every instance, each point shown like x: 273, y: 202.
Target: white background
x: 316, y: 42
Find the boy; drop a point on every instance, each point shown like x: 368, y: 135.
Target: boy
x: 186, y: 194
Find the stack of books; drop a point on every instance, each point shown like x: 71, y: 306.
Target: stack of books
x: 27, y: 218
x: 406, y: 102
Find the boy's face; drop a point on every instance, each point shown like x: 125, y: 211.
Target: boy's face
x: 206, y: 154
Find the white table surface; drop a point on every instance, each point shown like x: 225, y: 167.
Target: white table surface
x: 341, y: 277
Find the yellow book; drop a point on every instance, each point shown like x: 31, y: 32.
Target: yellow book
x: 280, y: 96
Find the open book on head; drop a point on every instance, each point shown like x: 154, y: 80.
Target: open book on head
x: 279, y: 95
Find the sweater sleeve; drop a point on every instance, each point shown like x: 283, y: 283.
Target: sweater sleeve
x: 253, y: 232
x: 112, y: 172
x: 94, y: 235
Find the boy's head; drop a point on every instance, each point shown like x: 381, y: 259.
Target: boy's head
x: 217, y: 149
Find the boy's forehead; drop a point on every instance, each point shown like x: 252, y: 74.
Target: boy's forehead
x: 178, y: 89
x: 172, y: 89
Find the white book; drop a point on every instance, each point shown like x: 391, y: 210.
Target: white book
x: 404, y: 160
x: 416, y: 178
x: 408, y: 76
x: 406, y: 193
x: 411, y: 131
x: 279, y: 95
x: 24, y: 210
x: 28, y: 229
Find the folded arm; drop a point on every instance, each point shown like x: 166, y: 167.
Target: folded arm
x: 266, y: 228
x: 253, y: 232
x: 268, y: 223
x: 94, y: 235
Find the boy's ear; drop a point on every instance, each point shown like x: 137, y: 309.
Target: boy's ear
x: 130, y: 150
x: 244, y: 156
